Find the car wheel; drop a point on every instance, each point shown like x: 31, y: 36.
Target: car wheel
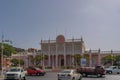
x: 73, y: 78
x: 80, y: 78
x: 107, y: 72
x: 84, y: 74
x: 37, y: 74
x: 40, y: 74
x: 99, y: 75
x: 118, y: 73
x: 24, y: 78
x: 43, y: 74
x: 20, y: 78
x: 110, y: 72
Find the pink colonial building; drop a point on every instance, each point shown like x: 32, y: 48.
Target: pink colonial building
x: 61, y: 50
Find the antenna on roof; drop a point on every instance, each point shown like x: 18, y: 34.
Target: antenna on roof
x: 65, y: 32
x: 56, y: 32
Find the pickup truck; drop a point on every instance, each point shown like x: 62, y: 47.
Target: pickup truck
x: 85, y: 71
x: 113, y: 70
x: 15, y: 73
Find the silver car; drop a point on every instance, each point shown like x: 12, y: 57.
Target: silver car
x: 69, y: 75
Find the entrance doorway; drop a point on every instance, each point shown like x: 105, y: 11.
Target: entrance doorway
x: 62, y: 62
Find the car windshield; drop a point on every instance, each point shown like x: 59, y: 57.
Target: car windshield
x: 37, y: 68
x: 111, y: 67
x: 66, y: 71
x: 14, y: 70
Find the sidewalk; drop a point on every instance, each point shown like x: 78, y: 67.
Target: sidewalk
x: 1, y: 77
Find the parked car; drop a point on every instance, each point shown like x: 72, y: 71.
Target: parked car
x: 113, y: 70
x: 69, y: 75
x: 40, y: 71
x: 98, y: 70
x: 31, y: 71
x: 35, y: 71
x: 15, y: 73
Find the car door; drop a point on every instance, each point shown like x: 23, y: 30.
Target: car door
x: 115, y: 70
x: 76, y: 75
x: 119, y: 69
x: 22, y: 73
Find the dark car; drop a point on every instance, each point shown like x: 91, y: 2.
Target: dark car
x: 98, y: 70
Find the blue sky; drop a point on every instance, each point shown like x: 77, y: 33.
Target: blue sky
x: 26, y: 22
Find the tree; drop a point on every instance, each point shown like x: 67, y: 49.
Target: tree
x: 7, y: 49
x: 45, y: 57
x: 16, y: 62
x: 116, y: 60
x: 38, y: 59
x: 107, y: 59
x: 112, y: 58
x: 77, y: 58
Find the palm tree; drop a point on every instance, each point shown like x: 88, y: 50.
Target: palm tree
x: 38, y: 59
x: 77, y: 58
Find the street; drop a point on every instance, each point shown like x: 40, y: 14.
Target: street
x: 48, y: 76
x: 53, y: 76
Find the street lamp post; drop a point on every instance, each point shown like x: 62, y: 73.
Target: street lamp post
x: 2, y: 49
x: 19, y: 58
x: 112, y: 56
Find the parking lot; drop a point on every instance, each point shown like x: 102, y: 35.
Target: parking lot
x: 53, y: 76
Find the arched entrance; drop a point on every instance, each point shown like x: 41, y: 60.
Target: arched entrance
x: 62, y: 62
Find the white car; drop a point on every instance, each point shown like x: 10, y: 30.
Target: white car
x: 69, y: 75
x: 113, y: 70
x: 15, y: 73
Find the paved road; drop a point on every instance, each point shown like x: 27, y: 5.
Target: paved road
x: 53, y: 76
x: 48, y: 76
x: 107, y: 77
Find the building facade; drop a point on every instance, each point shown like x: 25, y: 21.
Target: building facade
x: 60, y: 52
